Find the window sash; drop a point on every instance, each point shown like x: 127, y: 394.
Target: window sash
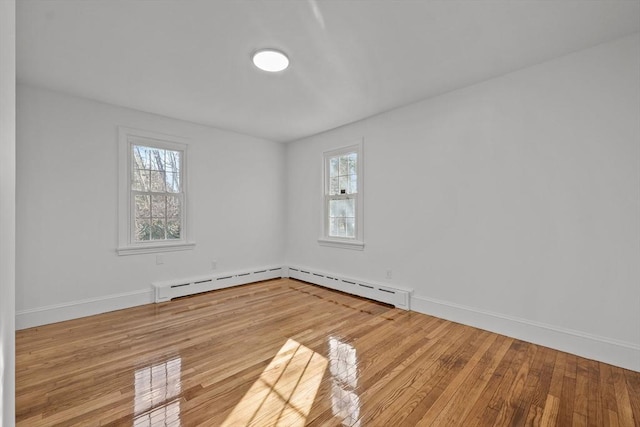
x: 328, y: 217
x: 142, y: 142
x: 132, y: 217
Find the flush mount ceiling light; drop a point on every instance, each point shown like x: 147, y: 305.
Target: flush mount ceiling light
x: 270, y: 60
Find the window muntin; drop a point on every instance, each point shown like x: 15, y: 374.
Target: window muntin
x: 156, y: 193
x: 342, y: 211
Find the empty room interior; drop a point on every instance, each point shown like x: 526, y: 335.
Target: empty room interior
x: 323, y: 213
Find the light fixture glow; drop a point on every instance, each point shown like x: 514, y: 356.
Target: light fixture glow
x: 270, y: 60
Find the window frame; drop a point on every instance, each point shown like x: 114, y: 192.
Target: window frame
x: 357, y: 242
x: 127, y: 138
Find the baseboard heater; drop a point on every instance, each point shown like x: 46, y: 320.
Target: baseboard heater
x: 167, y: 290
x: 396, y: 296
x: 399, y: 297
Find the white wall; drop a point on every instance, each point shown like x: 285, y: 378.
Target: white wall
x: 7, y: 210
x: 67, y: 206
x: 512, y: 204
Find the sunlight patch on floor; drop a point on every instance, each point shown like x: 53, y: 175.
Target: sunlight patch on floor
x: 285, y: 391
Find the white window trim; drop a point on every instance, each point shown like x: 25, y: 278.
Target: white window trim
x: 126, y: 245
x: 356, y: 243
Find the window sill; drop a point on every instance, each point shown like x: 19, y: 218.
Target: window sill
x: 154, y: 248
x: 340, y: 243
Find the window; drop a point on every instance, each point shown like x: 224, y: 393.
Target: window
x: 152, y: 193
x: 342, y: 207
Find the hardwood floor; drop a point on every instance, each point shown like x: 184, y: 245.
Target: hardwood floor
x: 287, y: 353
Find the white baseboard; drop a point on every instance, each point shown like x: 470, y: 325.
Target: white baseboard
x: 607, y: 350
x: 81, y: 308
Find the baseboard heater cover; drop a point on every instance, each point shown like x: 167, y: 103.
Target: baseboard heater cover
x: 167, y: 290
x: 396, y: 296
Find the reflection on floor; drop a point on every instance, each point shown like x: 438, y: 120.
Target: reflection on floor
x: 343, y: 365
x: 157, y: 394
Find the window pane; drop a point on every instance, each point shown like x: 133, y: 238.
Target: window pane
x: 334, y: 187
x: 173, y: 206
x: 141, y: 157
x: 333, y: 227
x: 158, y: 206
x: 333, y: 166
x: 342, y: 227
x: 342, y: 208
x: 344, y: 165
x: 334, y: 208
x: 142, y: 206
x: 143, y: 229
x: 353, y: 184
x: 353, y: 163
x: 157, y: 181
x: 140, y: 180
x: 157, y: 159
x: 351, y: 227
x: 344, y: 184
x: 173, y: 182
x: 172, y: 161
x: 157, y: 229
x: 173, y: 228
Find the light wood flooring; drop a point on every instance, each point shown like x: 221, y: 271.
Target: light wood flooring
x: 287, y: 353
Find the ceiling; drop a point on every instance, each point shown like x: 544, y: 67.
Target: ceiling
x: 190, y: 59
